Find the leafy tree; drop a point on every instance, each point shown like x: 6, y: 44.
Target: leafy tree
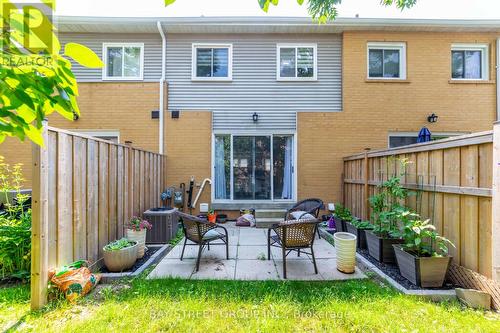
x: 35, y: 74
x: 325, y: 10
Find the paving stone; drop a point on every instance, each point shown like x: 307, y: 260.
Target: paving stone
x: 256, y: 270
x: 298, y: 270
x: 216, y: 269
x: 328, y: 269
x: 173, y: 268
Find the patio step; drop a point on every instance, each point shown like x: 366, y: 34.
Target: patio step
x: 266, y: 222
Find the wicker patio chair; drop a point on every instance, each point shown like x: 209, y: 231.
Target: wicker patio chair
x: 202, y: 233
x: 296, y: 235
x: 310, y: 206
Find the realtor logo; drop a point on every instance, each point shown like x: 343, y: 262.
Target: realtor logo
x: 27, y: 27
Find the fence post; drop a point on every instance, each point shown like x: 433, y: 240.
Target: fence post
x: 495, y: 204
x: 367, y: 186
x: 39, y: 224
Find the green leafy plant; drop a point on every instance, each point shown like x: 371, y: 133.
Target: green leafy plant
x: 361, y: 224
x: 342, y: 212
x: 119, y: 244
x: 15, y: 225
x: 421, y: 238
x: 35, y: 75
x: 388, y: 205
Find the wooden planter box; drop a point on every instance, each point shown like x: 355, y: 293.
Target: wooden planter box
x: 381, y: 248
x: 427, y: 272
x: 359, y: 233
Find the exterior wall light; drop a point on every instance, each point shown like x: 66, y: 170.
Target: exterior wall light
x: 255, y: 117
x: 432, y: 118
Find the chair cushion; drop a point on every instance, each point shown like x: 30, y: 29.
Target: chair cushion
x: 212, y: 234
x: 300, y: 214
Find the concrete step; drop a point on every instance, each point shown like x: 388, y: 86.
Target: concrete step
x: 270, y: 213
x: 266, y: 222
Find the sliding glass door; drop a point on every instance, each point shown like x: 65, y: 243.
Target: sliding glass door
x: 261, y: 167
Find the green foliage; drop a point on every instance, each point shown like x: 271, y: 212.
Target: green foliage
x: 342, y: 212
x: 324, y: 11
x: 361, y: 224
x: 388, y: 205
x: 119, y: 244
x: 35, y: 79
x: 421, y: 238
x: 15, y: 226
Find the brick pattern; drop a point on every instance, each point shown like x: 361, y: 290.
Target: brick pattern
x: 372, y: 110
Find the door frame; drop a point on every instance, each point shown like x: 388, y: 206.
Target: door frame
x: 254, y: 133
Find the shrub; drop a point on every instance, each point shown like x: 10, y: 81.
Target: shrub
x: 15, y: 226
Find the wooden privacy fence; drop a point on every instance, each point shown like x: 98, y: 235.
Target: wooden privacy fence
x: 84, y: 190
x: 455, y: 177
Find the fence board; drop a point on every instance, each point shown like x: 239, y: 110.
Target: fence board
x: 454, y: 178
x: 84, y: 190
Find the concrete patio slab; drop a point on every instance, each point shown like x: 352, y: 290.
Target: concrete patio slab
x: 256, y: 270
x: 216, y: 270
x: 247, y: 247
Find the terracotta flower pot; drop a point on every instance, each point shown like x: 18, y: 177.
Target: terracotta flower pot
x: 120, y: 260
x: 345, y: 245
x: 140, y: 238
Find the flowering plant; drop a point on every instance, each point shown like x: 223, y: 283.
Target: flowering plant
x: 138, y: 224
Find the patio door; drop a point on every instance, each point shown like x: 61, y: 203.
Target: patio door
x: 253, y: 167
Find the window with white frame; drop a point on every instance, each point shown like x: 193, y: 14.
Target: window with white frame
x: 469, y: 62
x: 113, y: 136
x: 296, y: 62
x: 123, y: 61
x: 212, y: 62
x: 386, y: 60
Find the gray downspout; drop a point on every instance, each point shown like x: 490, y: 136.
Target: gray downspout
x: 162, y: 86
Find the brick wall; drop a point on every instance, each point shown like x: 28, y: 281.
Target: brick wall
x: 125, y: 107
x: 372, y: 109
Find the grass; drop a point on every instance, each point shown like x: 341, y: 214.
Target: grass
x: 239, y: 306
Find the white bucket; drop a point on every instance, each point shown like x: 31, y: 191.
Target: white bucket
x: 345, y: 244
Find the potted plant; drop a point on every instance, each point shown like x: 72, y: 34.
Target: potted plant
x: 136, y: 230
x: 212, y: 216
x: 341, y: 215
x: 423, y: 257
x: 120, y: 255
x: 387, y: 208
x: 358, y: 228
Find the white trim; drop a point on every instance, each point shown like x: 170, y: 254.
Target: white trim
x: 228, y: 46
x: 105, y: 76
x: 161, y: 101
x: 296, y: 46
x: 485, y: 62
x: 100, y: 133
x: 497, y: 77
x: 399, y: 46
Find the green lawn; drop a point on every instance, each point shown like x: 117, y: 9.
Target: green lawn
x: 219, y: 306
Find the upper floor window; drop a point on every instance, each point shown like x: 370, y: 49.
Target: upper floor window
x: 469, y: 61
x: 387, y: 61
x: 123, y: 61
x: 212, y: 62
x: 296, y: 62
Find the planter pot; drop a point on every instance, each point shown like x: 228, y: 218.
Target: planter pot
x: 120, y: 260
x: 427, y: 272
x: 360, y: 234
x: 212, y: 218
x: 140, y: 238
x: 345, y: 246
x: 381, y: 248
x: 339, y: 225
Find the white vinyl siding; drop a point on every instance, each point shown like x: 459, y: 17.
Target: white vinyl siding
x: 386, y: 61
